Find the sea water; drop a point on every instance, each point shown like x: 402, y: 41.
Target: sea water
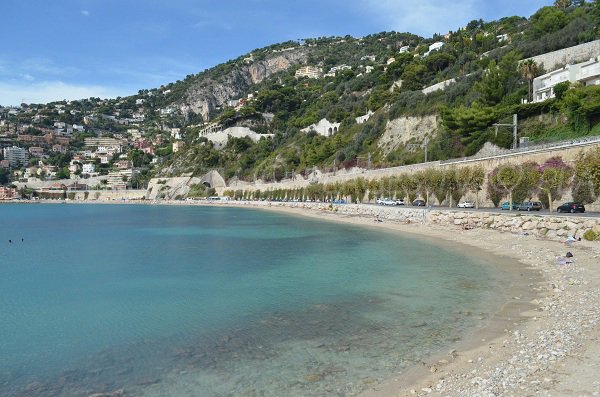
x: 213, y: 301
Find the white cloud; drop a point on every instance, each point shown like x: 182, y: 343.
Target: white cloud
x: 49, y: 91
x: 85, y: 13
x: 424, y: 17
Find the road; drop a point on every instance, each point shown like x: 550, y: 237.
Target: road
x: 499, y: 211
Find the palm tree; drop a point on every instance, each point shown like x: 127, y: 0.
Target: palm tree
x: 529, y: 70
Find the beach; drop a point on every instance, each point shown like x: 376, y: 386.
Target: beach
x: 544, y: 341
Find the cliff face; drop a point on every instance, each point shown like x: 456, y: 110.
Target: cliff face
x: 403, y: 130
x: 204, y: 97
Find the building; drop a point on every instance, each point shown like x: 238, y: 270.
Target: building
x: 8, y: 193
x: 124, y: 164
x: 434, y: 47
x: 404, y: 49
x: 36, y: 151
x: 587, y: 73
x: 363, y: 119
x: 312, y: 72
x: 323, y: 127
x: 101, y: 141
x: 176, y: 133
x: 15, y: 155
x: 88, y: 168
x: 177, y: 146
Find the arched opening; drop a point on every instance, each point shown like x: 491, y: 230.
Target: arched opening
x: 207, y: 184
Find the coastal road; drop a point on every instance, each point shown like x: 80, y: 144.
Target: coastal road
x: 499, y: 211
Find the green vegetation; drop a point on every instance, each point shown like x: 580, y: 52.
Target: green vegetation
x: 591, y: 235
x: 487, y: 61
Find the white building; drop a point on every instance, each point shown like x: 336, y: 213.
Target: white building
x: 323, y: 127
x: 176, y: 133
x: 434, y: 47
x: 364, y: 118
x: 15, y: 155
x: 586, y: 73
x: 404, y: 49
x: 88, y: 168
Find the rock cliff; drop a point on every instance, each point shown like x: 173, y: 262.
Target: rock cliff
x: 403, y: 130
x: 206, y: 95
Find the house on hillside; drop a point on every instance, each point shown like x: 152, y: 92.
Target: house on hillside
x: 586, y: 73
x: 324, y: 127
x: 434, y: 47
x: 312, y: 72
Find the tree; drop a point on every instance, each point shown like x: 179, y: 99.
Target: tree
x: 508, y: 176
x: 529, y: 70
x: 4, y: 176
x: 472, y: 178
x: 413, y: 77
x: 587, y: 176
x: 547, y: 20
x: 555, y: 177
x: 562, y: 4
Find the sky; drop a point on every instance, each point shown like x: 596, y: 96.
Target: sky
x: 73, y: 49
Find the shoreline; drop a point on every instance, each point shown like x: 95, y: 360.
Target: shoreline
x: 542, y: 341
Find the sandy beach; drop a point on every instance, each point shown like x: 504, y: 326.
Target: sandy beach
x: 543, y: 342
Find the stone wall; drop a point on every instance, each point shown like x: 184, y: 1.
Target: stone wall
x: 550, y: 226
x: 569, y: 152
x: 579, y: 53
x: 109, y: 195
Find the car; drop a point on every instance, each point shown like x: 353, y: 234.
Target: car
x: 466, y: 204
x: 399, y: 202
x: 530, y: 206
x: 419, y: 203
x: 388, y: 201
x: 506, y: 205
x: 380, y: 201
x: 571, y: 207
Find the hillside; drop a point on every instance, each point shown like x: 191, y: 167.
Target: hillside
x: 384, y: 96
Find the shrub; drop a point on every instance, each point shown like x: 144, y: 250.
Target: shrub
x: 591, y: 235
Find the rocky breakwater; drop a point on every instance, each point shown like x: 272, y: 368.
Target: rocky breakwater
x: 391, y: 213
x: 546, y: 226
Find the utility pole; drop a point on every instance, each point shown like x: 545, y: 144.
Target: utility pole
x: 426, y: 144
x: 514, y: 126
x: 369, y: 163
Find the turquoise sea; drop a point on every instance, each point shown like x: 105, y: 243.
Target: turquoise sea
x: 212, y: 301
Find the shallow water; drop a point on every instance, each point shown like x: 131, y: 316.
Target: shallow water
x: 192, y: 301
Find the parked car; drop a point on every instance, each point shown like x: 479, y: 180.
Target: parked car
x: 506, y: 205
x: 466, y: 204
x: 388, y: 201
x: 380, y: 201
x: 419, y: 203
x: 530, y: 206
x: 399, y: 202
x: 571, y: 207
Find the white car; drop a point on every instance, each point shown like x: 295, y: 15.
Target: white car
x: 399, y: 202
x: 385, y: 201
x: 466, y: 204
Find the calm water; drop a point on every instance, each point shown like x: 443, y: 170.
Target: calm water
x: 192, y: 301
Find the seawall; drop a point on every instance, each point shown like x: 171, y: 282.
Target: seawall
x: 552, y: 227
